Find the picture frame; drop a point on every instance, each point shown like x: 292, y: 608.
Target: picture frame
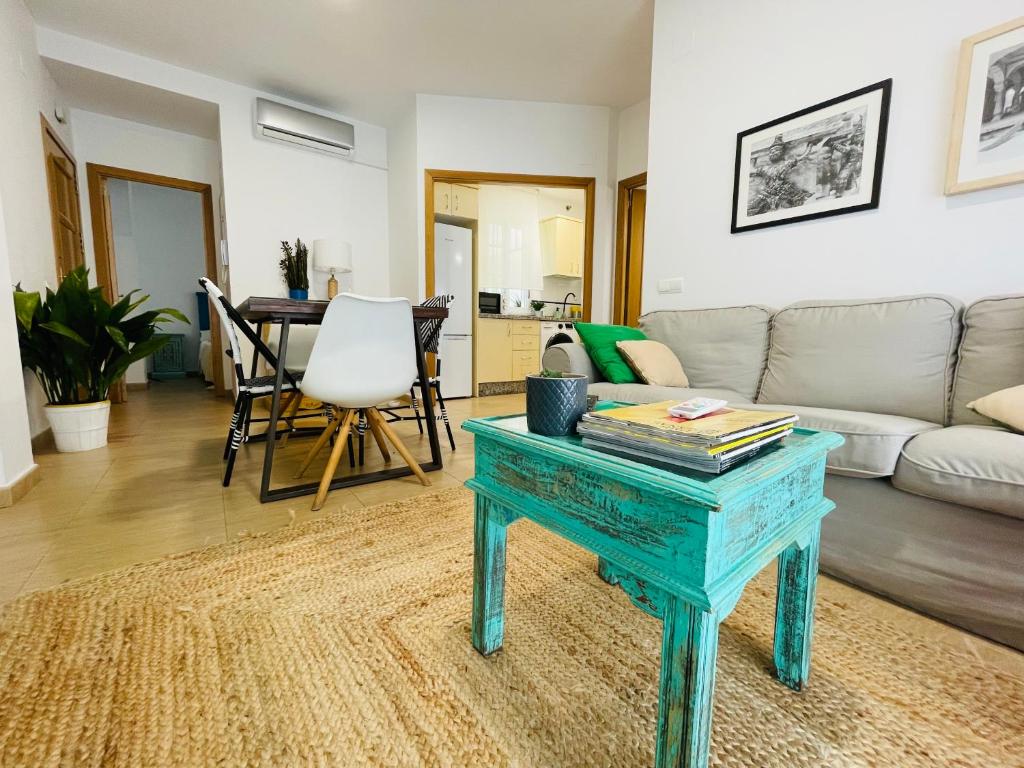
x: 986, y: 146
x: 824, y: 160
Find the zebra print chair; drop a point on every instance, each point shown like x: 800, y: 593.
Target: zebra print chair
x: 430, y: 338
x: 249, y: 387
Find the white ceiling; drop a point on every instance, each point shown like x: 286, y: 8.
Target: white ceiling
x: 365, y: 58
x: 108, y: 95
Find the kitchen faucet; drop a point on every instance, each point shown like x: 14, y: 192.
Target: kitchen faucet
x: 565, y: 301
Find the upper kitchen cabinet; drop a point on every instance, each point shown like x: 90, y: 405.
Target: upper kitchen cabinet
x: 456, y: 200
x: 561, y: 246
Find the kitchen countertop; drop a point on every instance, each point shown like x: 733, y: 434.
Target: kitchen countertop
x: 489, y: 316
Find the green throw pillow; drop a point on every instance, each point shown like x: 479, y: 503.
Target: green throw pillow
x: 599, y: 341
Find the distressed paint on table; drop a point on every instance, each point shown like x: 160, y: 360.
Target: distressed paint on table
x: 682, y: 546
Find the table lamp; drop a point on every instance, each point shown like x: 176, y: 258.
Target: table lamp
x: 335, y: 257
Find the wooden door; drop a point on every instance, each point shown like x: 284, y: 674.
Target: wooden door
x: 65, y: 211
x: 635, y: 254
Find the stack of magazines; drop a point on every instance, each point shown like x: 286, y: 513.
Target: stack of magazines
x: 712, y: 443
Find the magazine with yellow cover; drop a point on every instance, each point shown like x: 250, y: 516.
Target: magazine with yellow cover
x: 714, y: 428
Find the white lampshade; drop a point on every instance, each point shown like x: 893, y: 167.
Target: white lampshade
x: 332, y: 256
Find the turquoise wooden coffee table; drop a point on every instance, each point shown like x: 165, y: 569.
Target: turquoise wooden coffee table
x: 682, y: 546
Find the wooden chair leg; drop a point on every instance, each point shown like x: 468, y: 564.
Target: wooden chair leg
x: 399, y: 445
x: 378, y: 436
x: 321, y: 441
x: 332, y: 463
x: 289, y: 415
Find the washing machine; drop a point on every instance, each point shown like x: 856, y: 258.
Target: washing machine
x: 557, y: 332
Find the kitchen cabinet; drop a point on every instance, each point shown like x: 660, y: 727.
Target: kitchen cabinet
x: 561, y: 246
x: 507, y: 350
x: 493, y: 350
x: 456, y: 200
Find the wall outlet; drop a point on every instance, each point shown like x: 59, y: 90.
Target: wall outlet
x: 671, y: 285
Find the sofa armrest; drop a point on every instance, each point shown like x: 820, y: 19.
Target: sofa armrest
x: 570, y: 358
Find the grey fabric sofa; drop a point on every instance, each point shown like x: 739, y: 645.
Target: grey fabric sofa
x: 929, y: 494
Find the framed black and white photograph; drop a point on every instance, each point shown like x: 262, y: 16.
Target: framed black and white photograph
x: 821, y: 161
x: 986, y: 147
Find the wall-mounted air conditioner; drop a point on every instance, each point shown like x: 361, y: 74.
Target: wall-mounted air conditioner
x: 295, y: 126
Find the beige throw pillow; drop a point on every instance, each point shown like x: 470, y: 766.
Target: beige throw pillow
x: 653, y: 362
x: 1005, y: 406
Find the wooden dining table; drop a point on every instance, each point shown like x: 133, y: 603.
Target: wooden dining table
x: 269, y: 310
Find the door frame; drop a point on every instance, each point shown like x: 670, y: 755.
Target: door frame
x: 48, y: 132
x: 626, y: 186
x: 587, y: 183
x: 106, y: 267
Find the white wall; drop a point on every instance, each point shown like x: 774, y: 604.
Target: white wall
x: 160, y: 249
x: 106, y: 140
x: 631, y: 150
x: 454, y: 133
x: 26, y: 91
x: 719, y: 69
x: 15, y: 441
x: 403, y: 197
x: 272, y: 192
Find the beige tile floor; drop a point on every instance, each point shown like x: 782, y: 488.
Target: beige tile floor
x: 155, y: 490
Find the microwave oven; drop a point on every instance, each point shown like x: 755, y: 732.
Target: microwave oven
x: 490, y: 303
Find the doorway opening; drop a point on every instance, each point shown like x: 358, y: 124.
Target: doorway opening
x: 156, y: 233
x: 516, y: 252
x: 629, y: 249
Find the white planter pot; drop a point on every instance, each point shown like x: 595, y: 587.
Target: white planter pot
x: 79, y: 427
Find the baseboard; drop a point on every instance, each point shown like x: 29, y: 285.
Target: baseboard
x: 9, y: 494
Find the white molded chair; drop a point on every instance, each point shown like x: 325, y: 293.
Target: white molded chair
x: 364, y: 354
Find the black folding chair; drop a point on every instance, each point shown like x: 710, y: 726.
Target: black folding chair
x: 430, y: 338
x: 249, y: 387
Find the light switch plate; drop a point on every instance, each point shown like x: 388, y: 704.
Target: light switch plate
x: 671, y: 285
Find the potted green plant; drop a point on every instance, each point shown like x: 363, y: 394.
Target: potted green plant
x: 78, y: 345
x: 538, y: 306
x: 555, y: 401
x: 294, y: 269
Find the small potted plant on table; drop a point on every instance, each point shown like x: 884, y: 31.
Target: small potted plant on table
x: 78, y: 345
x: 538, y: 307
x: 294, y: 269
x: 555, y: 402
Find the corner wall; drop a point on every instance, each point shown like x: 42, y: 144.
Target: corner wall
x: 27, y: 240
x: 719, y: 69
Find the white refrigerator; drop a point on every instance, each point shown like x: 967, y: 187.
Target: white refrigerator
x: 453, y: 275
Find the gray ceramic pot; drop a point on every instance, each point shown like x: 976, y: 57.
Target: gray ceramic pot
x: 553, y: 406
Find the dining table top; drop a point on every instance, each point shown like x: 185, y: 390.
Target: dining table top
x: 270, y: 309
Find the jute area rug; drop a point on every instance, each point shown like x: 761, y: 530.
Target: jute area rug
x: 346, y: 641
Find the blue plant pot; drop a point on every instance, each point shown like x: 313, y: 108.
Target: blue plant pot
x: 553, y: 406
x: 299, y: 294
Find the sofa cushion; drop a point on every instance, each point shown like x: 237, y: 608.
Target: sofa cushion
x: 653, y: 362
x: 646, y: 393
x: 1005, y: 407
x: 975, y: 466
x: 991, y: 354
x: 718, y: 348
x: 599, y: 340
x: 878, y: 355
x: 873, y: 440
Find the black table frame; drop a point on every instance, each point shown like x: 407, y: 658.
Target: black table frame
x: 284, y: 312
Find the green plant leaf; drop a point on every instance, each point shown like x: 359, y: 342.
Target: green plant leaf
x: 118, y: 337
x: 176, y: 314
x: 58, y: 327
x: 25, y: 305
